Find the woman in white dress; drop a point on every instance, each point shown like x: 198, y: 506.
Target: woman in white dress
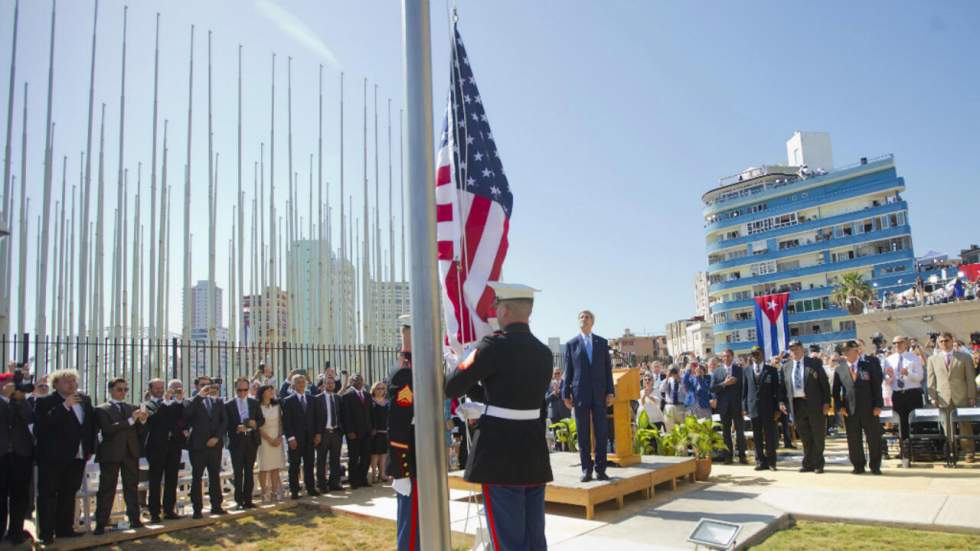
x: 650, y: 400
x: 271, y: 456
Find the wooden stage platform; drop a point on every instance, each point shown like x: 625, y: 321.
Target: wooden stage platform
x: 643, y: 477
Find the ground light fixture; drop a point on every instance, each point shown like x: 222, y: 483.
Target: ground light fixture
x: 714, y: 534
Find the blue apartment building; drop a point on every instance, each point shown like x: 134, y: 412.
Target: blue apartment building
x: 798, y: 227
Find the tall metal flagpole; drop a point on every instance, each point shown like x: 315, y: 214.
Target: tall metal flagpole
x: 134, y: 328
x: 366, y: 251
x: 324, y: 320
x: 390, y: 296
x: 163, y: 260
x: 58, y: 319
x: 22, y: 233
x: 427, y: 374
x: 42, y: 291
x: 123, y: 256
x: 119, y: 278
x: 98, y: 298
x: 345, y: 336
x: 83, y: 257
x: 186, y: 309
x: 273, y: 309
x: 235, y: 299
x: 212, y: 180
x: 401, y: 187
x: 290, y: 211
x: 153, y: 191
x: 377, y: 309
x: 5, y: 307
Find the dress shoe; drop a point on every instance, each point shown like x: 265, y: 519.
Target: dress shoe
x: 218, y: 511
x: 760, y: 467
x: 136, y: 524
x: 99, y: 530
x: 876, y: 471
x: 336, y: 488
x: 155, y: 519
x: 789, y: 447
x: 313, y: 493
x: 47, y: 540
x: 197, y: 515
x: 586, y: 477
x: 250, y: 505
x: 818, y: 470
x: 601, y: 476
x: 743, y: 460
x: 295, y: 495
x: 772, y: 467
x: 806, y: 470
x: 857, y: 471
x: 240, y: 507
x: 172, y: 516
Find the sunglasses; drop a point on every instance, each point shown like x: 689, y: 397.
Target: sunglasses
x: 241, y: 390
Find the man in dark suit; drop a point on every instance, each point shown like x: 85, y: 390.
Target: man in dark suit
x: 587, y: 388
x: 164, y: 436
x: 762, y: 396
x: 328, y: 411
x: 357, y: 422
x: 726, y: 386
x: 857, y: 394
x: 7, y: 388
x: 119, y: 450
x: 20, y: 461
x: 244, y: 419
x: 299, y: 424
x: 808, y: 402
x: 66, y: 438
x: 206, y: 418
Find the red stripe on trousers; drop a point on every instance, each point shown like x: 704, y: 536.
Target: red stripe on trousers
x: 493, y: 528
x: 415, y: 515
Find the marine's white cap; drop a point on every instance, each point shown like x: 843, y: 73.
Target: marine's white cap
x: 405, y: 320
x: 512, y: 291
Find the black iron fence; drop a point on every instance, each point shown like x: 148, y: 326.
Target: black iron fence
x: 141, y: 359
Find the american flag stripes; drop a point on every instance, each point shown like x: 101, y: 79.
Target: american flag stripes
x: 473, y: 207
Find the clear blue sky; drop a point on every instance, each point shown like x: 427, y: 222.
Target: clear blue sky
x: 612, y: 118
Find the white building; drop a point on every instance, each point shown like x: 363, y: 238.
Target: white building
x: 199, y: 308
x: 702, y: 306
x: 388, y: 301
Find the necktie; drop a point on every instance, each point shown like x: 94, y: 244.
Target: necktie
x: 898, y: 375
x: 207, y: 405
x: 673, y: 391
x: 329, y: 399
x: 302, y: 401
x: 758, y: 372
x: 119, y: 408
x: 243, y: 408
x: 854, y: 375
x: 797, y: 375
x: 588, y: 347
x: 948, y: 357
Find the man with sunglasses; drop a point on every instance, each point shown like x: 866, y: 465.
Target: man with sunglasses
x: 120, y: 424
x: 951, y: 376
x: 244, y: 419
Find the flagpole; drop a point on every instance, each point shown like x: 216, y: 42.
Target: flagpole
x: 22, y: 233
x: 344, y: 326
x: 7, y: 244
x: 83, y: 260
x: 39, y: 313
x: 365, y: 259
x: 186, y: 303
x: 427, y: 373
x: 153, y: 188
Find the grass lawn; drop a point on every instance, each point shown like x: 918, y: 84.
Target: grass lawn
x: 296, y: 528
x: 829, y: 536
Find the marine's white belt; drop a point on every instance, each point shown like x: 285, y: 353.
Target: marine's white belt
x: 513, y: 414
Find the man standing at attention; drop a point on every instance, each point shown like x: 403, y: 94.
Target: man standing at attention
x: 951, y: 385
x: 808, y: 397
x: 587, y: 388
x: 726, y: 385
x: 510, y: 453
x: 857, y: 395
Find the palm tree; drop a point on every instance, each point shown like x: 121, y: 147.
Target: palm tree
x: 852, y: 293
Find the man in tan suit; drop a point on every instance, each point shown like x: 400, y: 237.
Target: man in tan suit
x: 951, y: 385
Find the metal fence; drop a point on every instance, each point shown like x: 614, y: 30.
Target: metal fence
x: 142, y: 359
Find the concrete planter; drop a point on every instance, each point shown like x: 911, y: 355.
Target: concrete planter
x: 702, y: 469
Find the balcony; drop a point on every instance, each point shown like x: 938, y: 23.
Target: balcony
x: 893, y: 256
x: 744, y: 346
x: 808, y: 199
x: 778, y: 188
x: 809, y: 248
x: 801, y: 317
x: 812, y: 224
x: 816, y: 292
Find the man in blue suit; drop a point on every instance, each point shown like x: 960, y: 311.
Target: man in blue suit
x: 587, y: 388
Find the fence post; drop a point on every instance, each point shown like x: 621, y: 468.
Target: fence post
x: 173, y: 347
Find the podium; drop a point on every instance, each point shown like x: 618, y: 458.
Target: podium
x: 626, y: 382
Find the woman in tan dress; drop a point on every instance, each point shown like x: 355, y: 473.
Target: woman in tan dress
x: 271, y: 456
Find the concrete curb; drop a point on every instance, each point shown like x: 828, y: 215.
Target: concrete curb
x: 869, y: 522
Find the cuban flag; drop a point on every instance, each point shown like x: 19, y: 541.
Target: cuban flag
x: 771, y: 323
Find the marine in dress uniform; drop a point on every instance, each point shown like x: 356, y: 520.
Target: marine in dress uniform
x: 401, y: 442
x: 512, y: 370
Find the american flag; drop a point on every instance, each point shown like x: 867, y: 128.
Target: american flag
x: 473, y: 207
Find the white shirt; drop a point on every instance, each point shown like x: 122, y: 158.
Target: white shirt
x: 908, y: 361
x: 242, y: 409
x: 80, y: 415
x: 328, y: 398
x: 798, y: 392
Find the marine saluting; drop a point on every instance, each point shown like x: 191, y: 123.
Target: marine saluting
x: 509, y: 371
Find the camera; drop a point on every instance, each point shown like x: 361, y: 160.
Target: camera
x: 975, y: 338
x: 217, y: 381
x: 20, y: 384
x: 878, y: 340
x: 933, y: 336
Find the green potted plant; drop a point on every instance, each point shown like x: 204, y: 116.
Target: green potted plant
x: 566, y: 433
x: 852, y: 293
x: 693, y: 436
x: 646, y: 437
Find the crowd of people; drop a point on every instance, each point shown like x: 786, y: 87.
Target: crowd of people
x: 813, y: 392
x: 265, y: 428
